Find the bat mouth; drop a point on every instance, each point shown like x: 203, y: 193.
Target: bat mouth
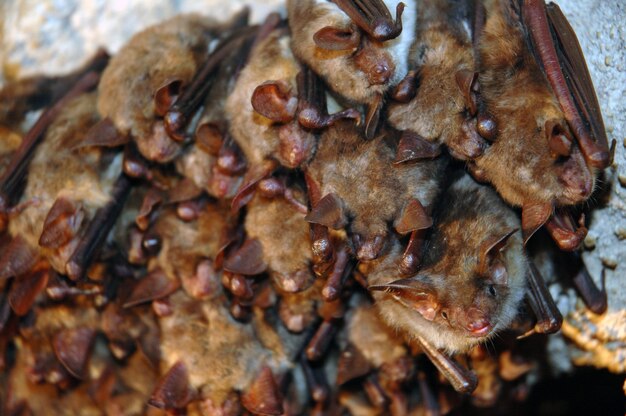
x: 480, y: 331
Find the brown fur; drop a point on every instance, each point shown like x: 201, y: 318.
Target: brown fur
x: 516, y: 93
x: 442, y: 48
x: 470, y: 214
x: 284, y: 236
x: 172, y: 50
x: 84, y: 175
x: 257, y: 136
x: 361, y: 173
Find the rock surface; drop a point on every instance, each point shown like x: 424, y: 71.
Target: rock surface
x: 56, y: 36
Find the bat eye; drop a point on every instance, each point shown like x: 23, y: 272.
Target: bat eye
x: 492, y: 290
x: 444, y: 315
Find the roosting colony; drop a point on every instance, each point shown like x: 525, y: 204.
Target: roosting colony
x: 290, y: 223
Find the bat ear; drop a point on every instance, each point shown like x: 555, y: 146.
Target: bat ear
x: 534, y: 216
x: 329, y: 212
x: 274, y: 100
x: 468, y: 84
x: 413, y: 293
x: 414, y: 217
x: 17, y: 258
x: 166, y: 95
x: 103, y: 133
x: 372, y: 118
x: 254, y: 174
x: 263, y: 396
x: 61, y: 223
x: 334, y: 39
x: 72, y: 347
x: 489, y: 250
x: 559, y: 140
x: 247, y: 260
x: 173, y: 390
x: 412, y: 146
x: 406, y: 89
x: 154, y: 285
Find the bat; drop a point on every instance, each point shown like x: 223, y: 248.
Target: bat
x: 363, y: 191
x: 68, y: 183
x: 355, y: 47
x: 551, y: 141
x: 145, y: 77
x: 273, y: 111
x: 435, y: 104
x: 471, y: 280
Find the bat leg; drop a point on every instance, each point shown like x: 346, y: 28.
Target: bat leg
x: 564, y: 232
x: 412, y: 146
x: 312, y: 109
x: 461, y: 379
x: 98, y: 229
x: 549, y: 319
x: 263, y: 395
x: 594, y: 298
x: 412, y: 256
x: 323, y: 337
x: 13, y: 176
x: 374, y: 392
x: 338, y: 276
x: 184, y: 106
x: 173, y: 390
x: 316, y: 382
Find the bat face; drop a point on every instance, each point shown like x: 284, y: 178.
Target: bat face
x: 355, y: 65
x: 472, y: 277
x: 536, y: 144
x: 130, y: 83
x: 370, y: 192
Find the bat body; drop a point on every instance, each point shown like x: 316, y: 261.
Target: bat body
x: 367, y: 191
x: 442, y: 60
x: 167, y: 54
x: 472, y: 278
x: 67, y: 183
x: 359, y: 66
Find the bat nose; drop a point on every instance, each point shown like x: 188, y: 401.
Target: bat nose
x: 369, y: 249
x: 381, y: 73
x: 477, y: 323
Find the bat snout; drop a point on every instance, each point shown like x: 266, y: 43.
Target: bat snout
x: 477, y: 324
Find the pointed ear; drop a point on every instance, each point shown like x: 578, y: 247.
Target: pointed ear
x: 468, y: 84
x: 559, y: 139
x: 275, y: 100
x: 372, y: 118
x: 61, y: 223
x: 329, y: 212
x: 105, y: 134
x: 413, y: 293
x: 246, y: 191
x: 489, y: 250
x: 166, y: 95
x: 334, y: 39
x: 534, y: 216
x: 247, y: 260
x: 414, y: 217
x: 412, y: 146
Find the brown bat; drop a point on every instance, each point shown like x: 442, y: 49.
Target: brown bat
x: 362, y: 190
x: 200, y: 361
x: 551, y: 143
x: 273, y: 110
x: 68, y: 183
x: 471, y: 281
x: 435, y: 104
x: 355, y: 46
x: 146, y: 75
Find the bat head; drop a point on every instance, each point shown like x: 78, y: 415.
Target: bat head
x: 354, y: 63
